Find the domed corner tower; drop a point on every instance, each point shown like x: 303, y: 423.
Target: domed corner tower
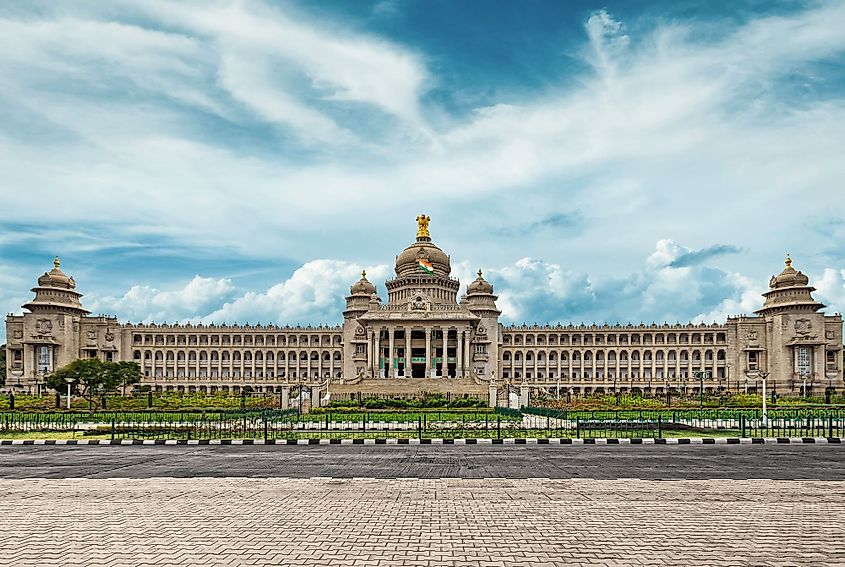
x: 362, y: 297
x: 48, y: 336
x: 422, y: 273
x: 479, y: 300
x: 793, y: 342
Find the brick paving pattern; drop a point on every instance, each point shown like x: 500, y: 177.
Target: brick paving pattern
x: 437, y: 522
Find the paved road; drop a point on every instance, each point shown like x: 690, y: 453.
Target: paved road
x: 420, y: 522
x: 823, y: 462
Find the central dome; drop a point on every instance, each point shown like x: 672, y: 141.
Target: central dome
x: 416, y: 258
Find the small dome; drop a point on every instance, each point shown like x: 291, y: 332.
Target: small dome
x: 480, y: 285
x: 788, y: 277
x: 56, y: 278
x: 363, y: 286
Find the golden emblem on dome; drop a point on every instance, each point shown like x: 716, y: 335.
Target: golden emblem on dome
x: 788, y: 262
x: 56, y: 263
x: 422, y: 226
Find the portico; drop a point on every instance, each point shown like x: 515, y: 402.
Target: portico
x: 423, y: 331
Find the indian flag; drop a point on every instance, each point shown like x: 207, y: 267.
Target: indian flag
x: 426, y: 266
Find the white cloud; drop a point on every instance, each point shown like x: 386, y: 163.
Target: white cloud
x: 167, y: 118
x: 530, y: 291
x: 143, y: 303
x: 312, y: 295
x: 535, y: 291
x: 831, y: 289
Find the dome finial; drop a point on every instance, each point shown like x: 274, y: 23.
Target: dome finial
x: 788, y: 262
x: 56, y: 263
x: 363, y: 274
x: 479, y: 273
x: 422, y: 226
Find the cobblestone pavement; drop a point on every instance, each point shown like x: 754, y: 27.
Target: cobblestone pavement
x: 782, y: 462
x: 432, y: 522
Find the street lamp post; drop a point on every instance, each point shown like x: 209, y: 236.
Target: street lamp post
x: 701, y: 376
x: 69, y: 382
x: 729, y: 377
x: 762, y: 376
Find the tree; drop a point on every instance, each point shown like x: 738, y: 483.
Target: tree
x: 90, y: 376
x: 2, y: 365
x: 127, y: 373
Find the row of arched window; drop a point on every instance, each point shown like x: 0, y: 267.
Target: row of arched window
x: 237, y: 356
x: 531, y: 339
x: 612, y: 356
x: 182, y: 339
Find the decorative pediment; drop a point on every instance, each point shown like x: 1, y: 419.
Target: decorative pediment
x: 419, y: 301
x: 803, y: 326
x: 44, y: 327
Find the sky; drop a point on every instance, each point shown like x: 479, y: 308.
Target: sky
x: 242, y: 161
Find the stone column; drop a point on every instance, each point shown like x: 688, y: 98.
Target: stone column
x: 285, y: 394
x: 377, y: 349
x: 407, y: 352
x: 467, y: 358
x: 370, y: 348
x: 492, y: 394
x: 459, y: 359
x: 315, y: 396
x: 523, y: 396
x: 391, y: 370
x: 428, y: 353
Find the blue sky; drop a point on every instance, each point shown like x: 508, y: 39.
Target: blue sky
x: 242, y: 161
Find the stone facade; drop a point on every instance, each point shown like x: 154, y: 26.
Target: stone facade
x: 425, y: 338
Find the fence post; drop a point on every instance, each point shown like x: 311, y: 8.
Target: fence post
x: 742, y: 425
x: 498, y: 427
x: 150, y: 399
x: 419, y: 427
x: 265, y: 428
x: 577, y: 427
x: 829, y: 427
x: 11, y: 401
x: 660, y: 427
x: 112, y: 429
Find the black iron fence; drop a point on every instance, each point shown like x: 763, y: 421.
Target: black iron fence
x: 502, y: 423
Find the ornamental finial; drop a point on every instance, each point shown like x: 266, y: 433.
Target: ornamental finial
x: 56, y: 263
x: 479, y: 273
x: 363, y: 274
x: 422, y: 226
x: 788, y: 262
